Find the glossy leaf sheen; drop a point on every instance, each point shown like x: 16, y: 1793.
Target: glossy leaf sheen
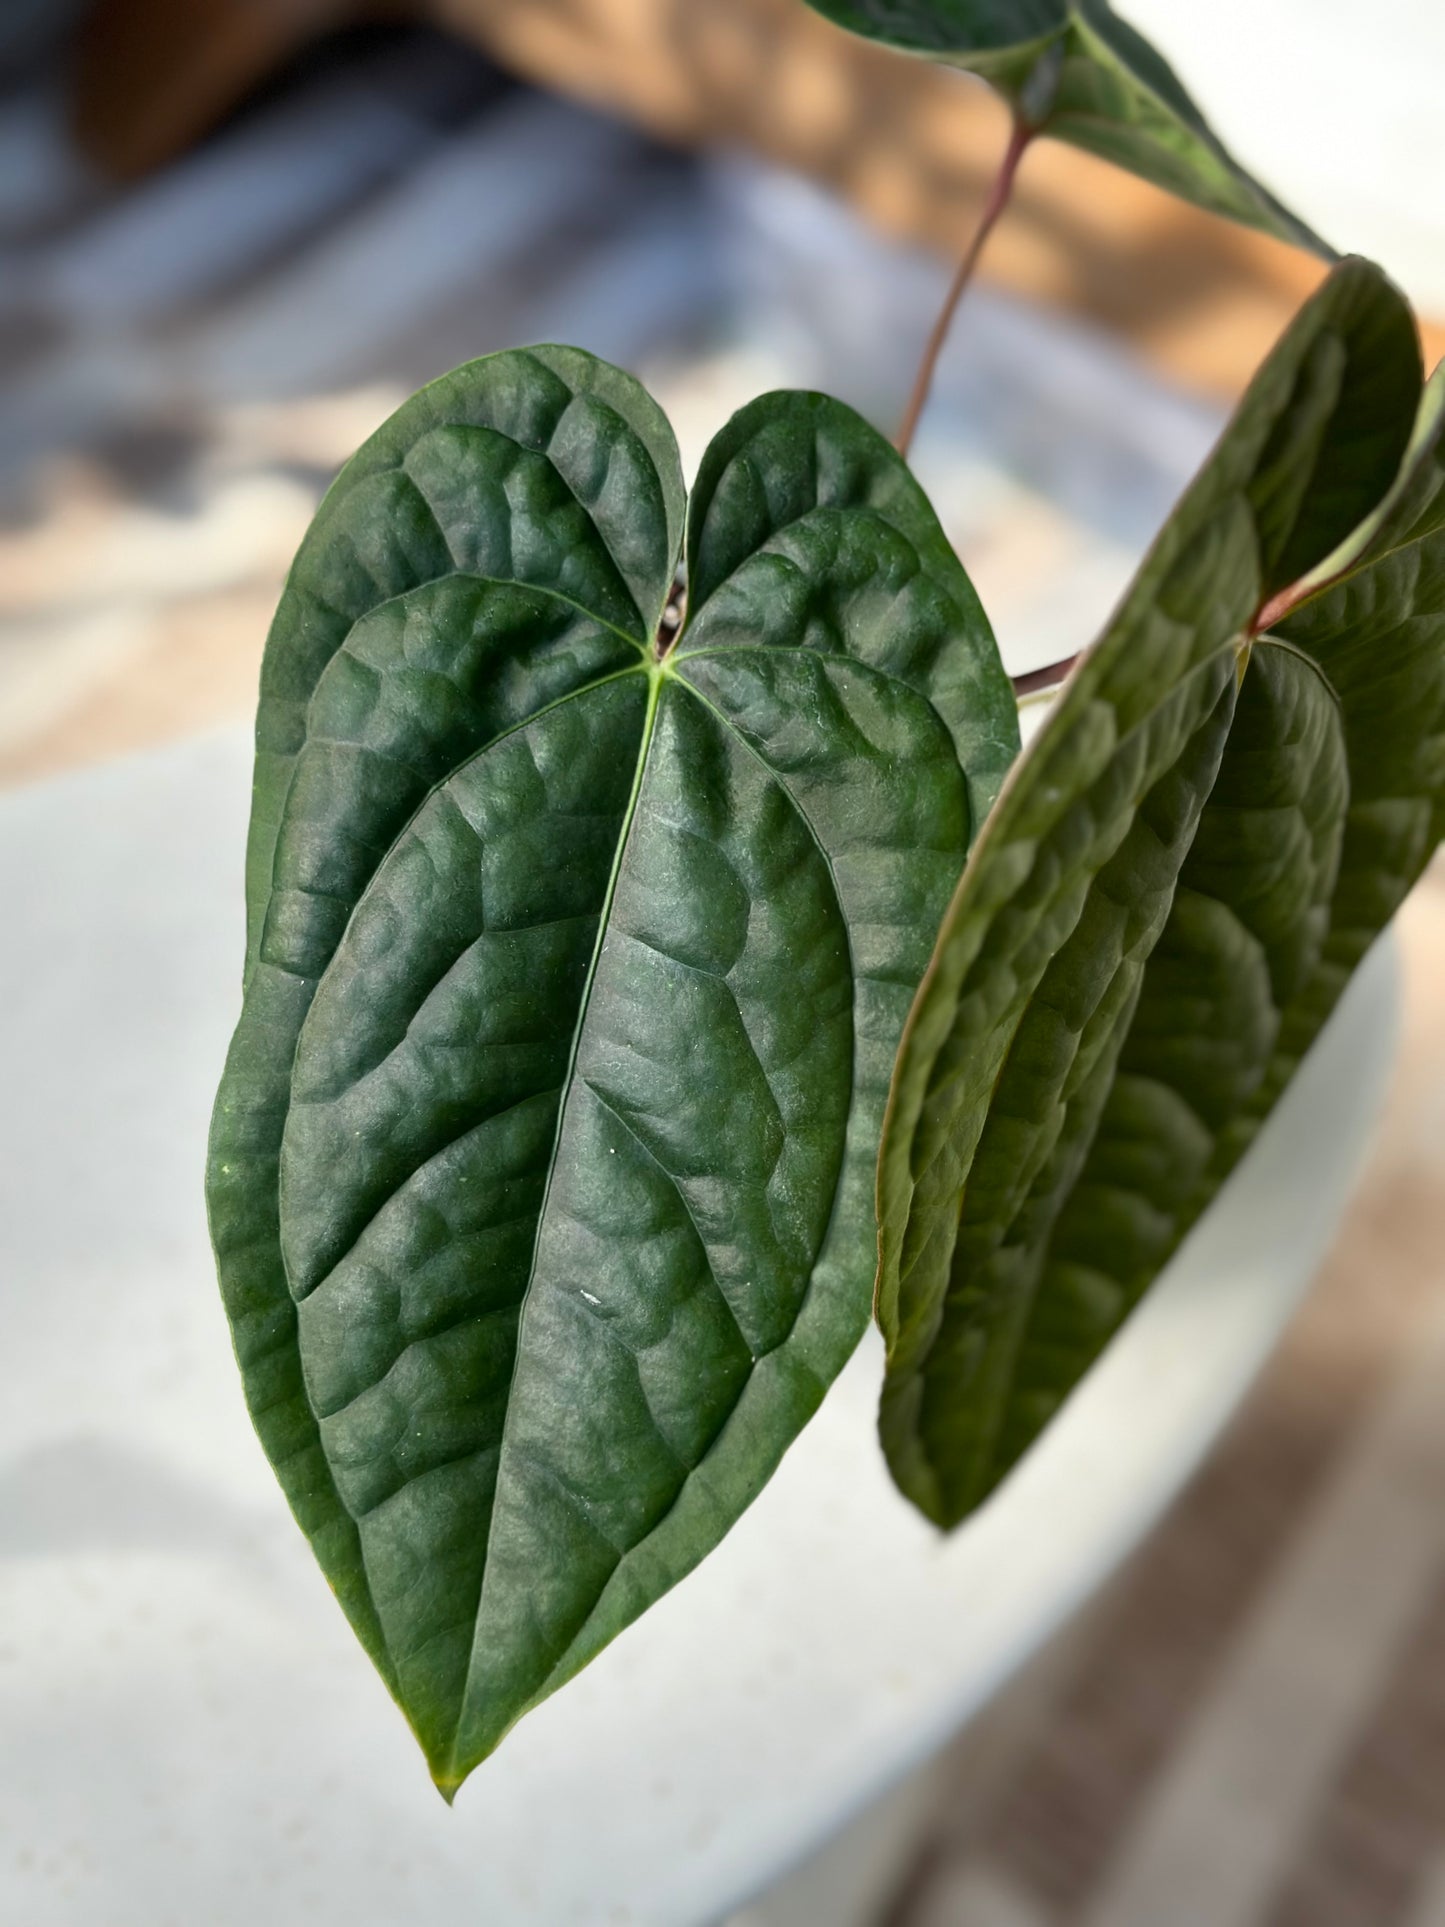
x: 542, y: 1169
x: 1075, y: 70
x: 1183, y: 870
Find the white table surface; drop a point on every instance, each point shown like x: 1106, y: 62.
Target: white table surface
x: 189, y: 1733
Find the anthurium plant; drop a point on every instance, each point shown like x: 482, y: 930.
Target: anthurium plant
x: 645, y: 982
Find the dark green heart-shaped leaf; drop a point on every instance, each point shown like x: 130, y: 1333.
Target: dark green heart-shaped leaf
x: 541, y: 1174
x: 1180, y: 875
x: 1074, y: 69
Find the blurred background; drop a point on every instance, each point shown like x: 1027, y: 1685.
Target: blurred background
x: 234, y: 234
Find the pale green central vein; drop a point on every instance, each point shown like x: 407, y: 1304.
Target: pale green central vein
x: 656, y: 678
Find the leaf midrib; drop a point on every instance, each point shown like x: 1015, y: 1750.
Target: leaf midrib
x: 559, y: 1670
x: 656, y: 678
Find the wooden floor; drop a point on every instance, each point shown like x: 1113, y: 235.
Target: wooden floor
x: 1252, y: 1731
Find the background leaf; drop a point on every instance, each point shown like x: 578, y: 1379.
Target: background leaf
x: 1166, y: 903
x: 1075, y: 70
x: 542, y: 1167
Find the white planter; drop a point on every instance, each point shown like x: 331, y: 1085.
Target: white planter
x: 188, y: 1730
